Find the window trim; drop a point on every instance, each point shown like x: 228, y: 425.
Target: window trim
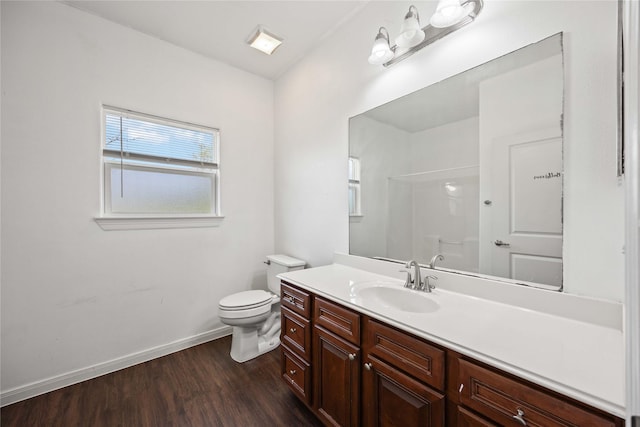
x: 355, y: 183
x: 113, y: 221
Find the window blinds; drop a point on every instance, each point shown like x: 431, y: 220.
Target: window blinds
x: 138, y: 136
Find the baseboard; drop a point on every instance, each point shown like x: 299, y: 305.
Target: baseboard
x: 59, y: 381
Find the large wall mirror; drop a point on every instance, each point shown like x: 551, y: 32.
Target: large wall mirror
x: 469, y: 168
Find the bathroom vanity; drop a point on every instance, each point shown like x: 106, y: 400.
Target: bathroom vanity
x: 357, y: 354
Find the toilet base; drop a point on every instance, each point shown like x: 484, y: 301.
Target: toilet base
x: 250, y: 342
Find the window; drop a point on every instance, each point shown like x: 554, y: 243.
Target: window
x: 158, y: 168
x: 354, y: 187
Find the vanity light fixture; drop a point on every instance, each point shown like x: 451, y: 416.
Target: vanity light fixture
x: 264, y: 41
x: 450, y: 16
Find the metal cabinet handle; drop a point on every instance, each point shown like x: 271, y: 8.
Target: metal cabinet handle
x: 292, y: 372
x: 367, y: 366
x: 293, y: 330
x: 288, y: 299
x: 501, y: 243
x: 520, y: 417
x: 352, y: 356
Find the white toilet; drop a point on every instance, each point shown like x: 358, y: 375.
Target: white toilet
x: 255, y: 315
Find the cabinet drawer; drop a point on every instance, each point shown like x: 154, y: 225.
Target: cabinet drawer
x: 469, y: 419
x: 297, y: 374
x: 406, y: 352
x: 296, y: 333
x: 295, y: 299
x: 337, y: 319
x: 511, y: 402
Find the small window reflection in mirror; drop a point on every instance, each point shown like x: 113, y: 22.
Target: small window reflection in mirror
x: 354, y: 187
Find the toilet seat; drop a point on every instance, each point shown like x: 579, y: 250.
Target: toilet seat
x: 246, y: 304
x: 246, y: 300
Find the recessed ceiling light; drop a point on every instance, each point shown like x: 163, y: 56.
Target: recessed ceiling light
x: 264, y: 41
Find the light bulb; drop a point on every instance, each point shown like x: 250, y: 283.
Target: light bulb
x: 450, y: 12
x: 381, y: 52
x: 411, y: 34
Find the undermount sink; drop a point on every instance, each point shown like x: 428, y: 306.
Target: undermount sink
x: 392, y: 295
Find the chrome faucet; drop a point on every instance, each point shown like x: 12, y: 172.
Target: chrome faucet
x: 416, y: 282
x: 436, y: 257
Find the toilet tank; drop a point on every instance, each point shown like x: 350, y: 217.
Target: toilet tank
x: 280, y: 264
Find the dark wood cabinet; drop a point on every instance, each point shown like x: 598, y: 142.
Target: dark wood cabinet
x: 336, y: 360
x: 295, y: 299
x: 392, y: 398
x: 337, y: 379
x: 352, y: 370
x: 511, y: 401
x: 297, y: 374
x: 403, y: 378
x: 339, y: 320
x: 466, y: 418
x: 295, y: 336
x: 412, y: 355
x: 296, y: 333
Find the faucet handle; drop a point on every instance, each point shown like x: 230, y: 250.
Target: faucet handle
x: 408, y: 283
x: 428, y: 286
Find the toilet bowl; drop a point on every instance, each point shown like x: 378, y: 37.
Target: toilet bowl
x: 255, y: 315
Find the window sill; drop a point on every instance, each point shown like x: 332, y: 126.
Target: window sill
x: 154, y: 223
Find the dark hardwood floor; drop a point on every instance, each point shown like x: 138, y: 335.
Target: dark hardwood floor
x: 200, y: 386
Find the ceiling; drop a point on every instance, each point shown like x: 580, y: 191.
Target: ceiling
x: 458, y: 97
x: 219, y: 29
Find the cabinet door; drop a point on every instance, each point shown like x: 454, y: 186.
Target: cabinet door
x: 392, y: 398
x: 336, y: 379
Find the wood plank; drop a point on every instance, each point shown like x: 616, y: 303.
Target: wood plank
x: 199, y: 386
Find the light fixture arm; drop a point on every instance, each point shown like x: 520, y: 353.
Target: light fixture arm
x: 412, y: 10
x: 432, y: 33
x: 384, y: 35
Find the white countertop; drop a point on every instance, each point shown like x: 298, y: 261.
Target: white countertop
x: 580, y: 359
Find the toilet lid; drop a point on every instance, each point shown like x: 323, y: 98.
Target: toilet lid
x: 246, y: 300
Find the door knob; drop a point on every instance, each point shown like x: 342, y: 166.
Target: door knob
x: 501, y: 243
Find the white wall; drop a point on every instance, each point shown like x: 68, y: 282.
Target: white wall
x: 438, y: 217
x: 73, y: 295
x: 315, y: 99
x: 383, y: 151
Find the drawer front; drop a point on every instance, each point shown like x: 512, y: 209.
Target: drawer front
x: 337, y: 319
x: 295, y: 299
x: 406, y: 352
x: 512, y: 403
x: 296, y: 333
x: 297, y: 374
x: 469, y: 419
